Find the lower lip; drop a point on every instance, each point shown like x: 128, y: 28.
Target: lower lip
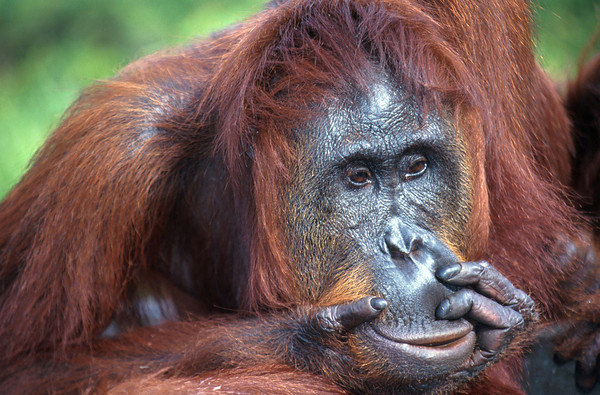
x: 456, y: 350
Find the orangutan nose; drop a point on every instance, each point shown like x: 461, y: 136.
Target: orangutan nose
x: 401, y: 241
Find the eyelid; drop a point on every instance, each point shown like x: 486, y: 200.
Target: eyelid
x: 354, y: 170
x: 416, y: 161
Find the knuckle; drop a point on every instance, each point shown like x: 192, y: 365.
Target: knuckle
x: 519, y: 299
x: 327, y: 320
x: 525, y: 305
x: 479, y: 269
x: 511, y: 320
x: 490, y: 276
x: 518, y: 321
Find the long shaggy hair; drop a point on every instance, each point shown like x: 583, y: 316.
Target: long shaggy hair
x: 178, y: 163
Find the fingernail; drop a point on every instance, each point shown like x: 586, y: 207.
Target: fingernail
x: 443, y: 309
x: 448, y: 271
x: 378, y: 303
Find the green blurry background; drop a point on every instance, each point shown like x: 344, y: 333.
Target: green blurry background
x: 50, y: 50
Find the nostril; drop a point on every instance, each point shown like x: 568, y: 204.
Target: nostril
x: 416, y: 244
x: 399, y: 246
x: 392, y: 245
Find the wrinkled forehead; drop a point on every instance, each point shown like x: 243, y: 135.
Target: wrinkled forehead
x: 384, y: 117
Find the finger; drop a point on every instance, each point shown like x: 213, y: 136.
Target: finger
x: 470, y: 304
x: 499, y: 323
x: 346, y: 316
x: 491, y: 343
x: 486, y: 280
x: 481, y: 276
x: 461, y: 274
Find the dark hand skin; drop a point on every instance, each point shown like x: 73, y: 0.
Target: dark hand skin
x: 499, y: 309
x: 347, y: 316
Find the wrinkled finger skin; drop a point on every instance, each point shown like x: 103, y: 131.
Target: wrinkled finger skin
x: 344, y: 317
x: 489, y: 300
x: 498, y: 310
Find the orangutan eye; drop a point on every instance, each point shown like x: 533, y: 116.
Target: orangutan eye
x: 359, y: 176
x: 416, y: 168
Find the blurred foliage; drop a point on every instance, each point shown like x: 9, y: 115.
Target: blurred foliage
x: 50, y: 50
x: 564, y: 28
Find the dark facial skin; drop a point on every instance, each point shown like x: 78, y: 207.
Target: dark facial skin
x: 378, y: 204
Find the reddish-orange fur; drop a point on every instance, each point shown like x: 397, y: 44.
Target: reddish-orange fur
x: 112, y: 202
